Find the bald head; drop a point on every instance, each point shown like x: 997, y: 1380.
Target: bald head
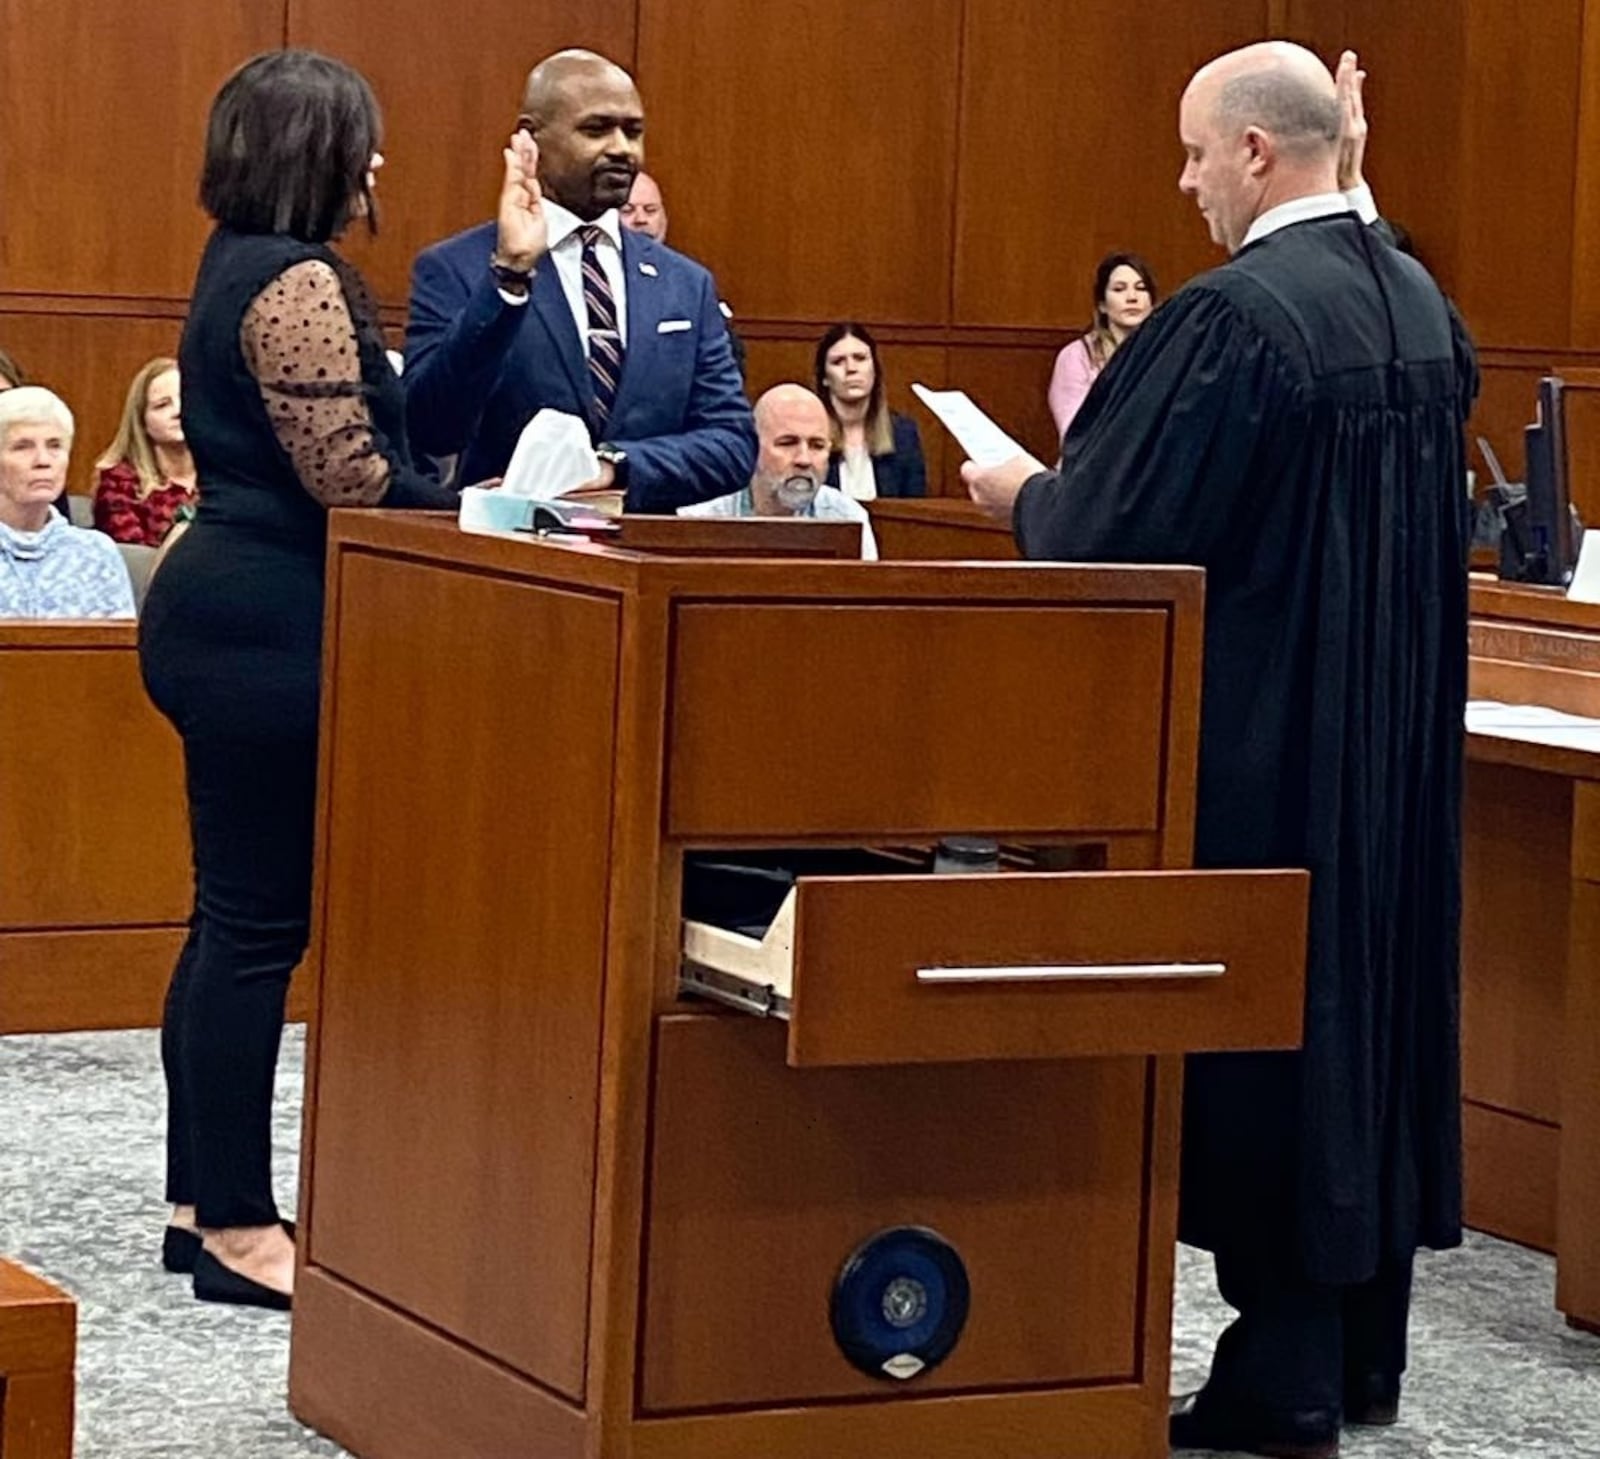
x: 1281, y: 88
x: 586, y: 116
x: 545, y: 89
x: 1260, y: 127
x: 792, y: 429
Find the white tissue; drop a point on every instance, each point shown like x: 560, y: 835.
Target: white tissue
x: 553, y: 456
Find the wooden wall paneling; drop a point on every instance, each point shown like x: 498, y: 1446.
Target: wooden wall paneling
x: 1416, y: 94
x: 88, y: 359
x: 103, y: 112
x: 449, y: 79
x: 1586, y: 196
x: 1011, y: 383
x: 807, y: 149
x: 1069, y: 148
x: 1520, y: 85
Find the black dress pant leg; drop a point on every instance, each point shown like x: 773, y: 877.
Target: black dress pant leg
x: 251, y: 808
x: 1377, y: 1315
x: 1284, y: 1351
x: 180, y: 1117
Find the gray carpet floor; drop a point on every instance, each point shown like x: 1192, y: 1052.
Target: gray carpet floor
x: 1495, y: 1372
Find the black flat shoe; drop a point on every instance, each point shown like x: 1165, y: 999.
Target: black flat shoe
x: 180, y: 1245
x: 1201, y: 1422
x: 1372, y: 1399
x: 214, y: 1282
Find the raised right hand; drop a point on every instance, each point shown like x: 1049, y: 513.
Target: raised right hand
x: 523, y: 236
x: 1353, y: 127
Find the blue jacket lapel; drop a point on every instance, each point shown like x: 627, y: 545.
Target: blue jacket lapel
x: 549, y: 303
x: 646, y: 303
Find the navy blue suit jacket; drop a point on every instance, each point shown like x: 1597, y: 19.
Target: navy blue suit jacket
x: 901, y: 473
x: 478, y: 369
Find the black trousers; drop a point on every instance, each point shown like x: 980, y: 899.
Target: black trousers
x: 230, y: 649
x: 1296, y: 1343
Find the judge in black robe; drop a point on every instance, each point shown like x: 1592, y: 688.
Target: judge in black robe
x: 1293, y: 423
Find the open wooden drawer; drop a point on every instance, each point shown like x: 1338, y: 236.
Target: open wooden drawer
x: 934, y: 969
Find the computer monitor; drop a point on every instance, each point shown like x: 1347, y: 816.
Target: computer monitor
x: 1551, y: 543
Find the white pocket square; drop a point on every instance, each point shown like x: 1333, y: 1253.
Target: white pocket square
x: 674, y: 326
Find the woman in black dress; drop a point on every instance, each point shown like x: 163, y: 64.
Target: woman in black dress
x: 290, y: 408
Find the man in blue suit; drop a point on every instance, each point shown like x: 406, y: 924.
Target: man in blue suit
x: 555, y: 304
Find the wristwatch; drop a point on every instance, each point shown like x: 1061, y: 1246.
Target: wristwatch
x: 513, y: 280
x: 618, y: 459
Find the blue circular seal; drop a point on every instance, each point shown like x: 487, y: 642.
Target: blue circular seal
x: 900, y: 1302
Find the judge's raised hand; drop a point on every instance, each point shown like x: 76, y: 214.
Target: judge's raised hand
x: 523, y: 236
x: 1353, y: 129
x: 995, y: 488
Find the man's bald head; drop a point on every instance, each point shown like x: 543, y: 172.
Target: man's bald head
x: 1260, y: 126
x: 1282, y: 88
x: 792, y: 431
x: 548, y: 82
x: 586, y: 116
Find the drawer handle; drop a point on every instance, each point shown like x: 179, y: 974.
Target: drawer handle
x: 1072, y: 972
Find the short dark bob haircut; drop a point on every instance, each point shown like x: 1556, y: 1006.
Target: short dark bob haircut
x: 289, y: 145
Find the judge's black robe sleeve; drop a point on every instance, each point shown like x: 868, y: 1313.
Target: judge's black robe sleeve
x: 1161, y: 460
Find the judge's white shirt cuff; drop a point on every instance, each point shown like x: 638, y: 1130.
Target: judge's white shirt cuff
x: 515, y: 300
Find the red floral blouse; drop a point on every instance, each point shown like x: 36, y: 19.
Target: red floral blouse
x: 122, y: 514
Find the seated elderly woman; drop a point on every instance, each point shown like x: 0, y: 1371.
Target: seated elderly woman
x: 49, y: 568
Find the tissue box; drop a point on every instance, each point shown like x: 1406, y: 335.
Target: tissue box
x: 484, y: 510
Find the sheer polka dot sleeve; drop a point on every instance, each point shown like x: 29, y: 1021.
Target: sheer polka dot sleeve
x: 300, y: 343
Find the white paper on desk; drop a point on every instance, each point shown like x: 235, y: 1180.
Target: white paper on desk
x: 1585, y: 584
x: 1533, y: 724
x: 983, y: 441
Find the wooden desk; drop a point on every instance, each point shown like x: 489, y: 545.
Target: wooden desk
x: 38, y: 1350
x: 929, y: 529
x: 1531, y: 944
x: 552, y: 1207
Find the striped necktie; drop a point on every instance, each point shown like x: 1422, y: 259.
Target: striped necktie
x: 605, y: 339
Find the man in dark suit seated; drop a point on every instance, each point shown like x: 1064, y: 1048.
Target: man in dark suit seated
x: 555, y: 304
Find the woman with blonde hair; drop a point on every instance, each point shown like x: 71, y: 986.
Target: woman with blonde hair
x: 146, y: 481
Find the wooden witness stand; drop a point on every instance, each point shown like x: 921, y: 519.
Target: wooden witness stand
x: 552, y: 1207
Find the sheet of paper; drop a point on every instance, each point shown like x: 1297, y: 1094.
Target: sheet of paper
x: 983, y: 441
x: 1533, y: 724
x: 1585, y: 584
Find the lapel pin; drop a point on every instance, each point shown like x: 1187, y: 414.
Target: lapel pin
x: 649, y: 270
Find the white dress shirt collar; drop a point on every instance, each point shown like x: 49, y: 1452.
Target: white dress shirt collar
x: 562, y: 224
x: 1308, y: 209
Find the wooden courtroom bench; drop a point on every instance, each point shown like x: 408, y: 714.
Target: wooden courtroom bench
x: 38, y: 1345
x: 94, y: 840
x: 1531, y: 943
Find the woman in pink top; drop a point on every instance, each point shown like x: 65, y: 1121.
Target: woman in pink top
x: 1124, y: 295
